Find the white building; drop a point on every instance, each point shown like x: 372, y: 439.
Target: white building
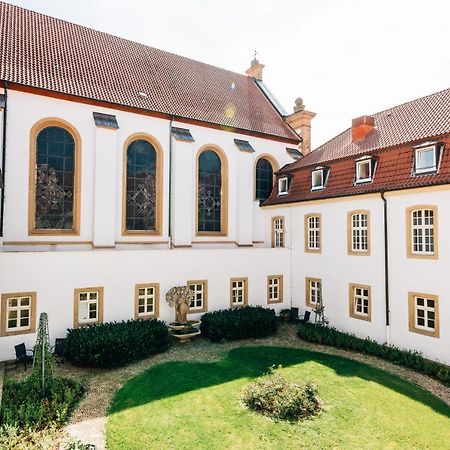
x: 128, y: 170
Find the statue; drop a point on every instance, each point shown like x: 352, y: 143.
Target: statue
x: 179, y: 297
x: 299, y: 106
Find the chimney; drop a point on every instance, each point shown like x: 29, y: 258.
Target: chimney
x: 255, y: 70
x: 361, y: 127
x: 300, y: 121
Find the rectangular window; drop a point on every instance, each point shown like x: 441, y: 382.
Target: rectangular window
x: 283, y: 185
x: 317, y: 179
x: 313, y: 233
x: 313, y: 292
x: 364, y: 171
x: 422, y: 231
x: 275, y: 289
x: 425, y: 159
x: 200, y: 301
x: 424, y: 314
x: 278, y: 232
x: 358, y: 227
x: 238, y: 292
x: 359, y: 302
x: 88, y: 306
x: 18, y: 313
x: 146, y: 300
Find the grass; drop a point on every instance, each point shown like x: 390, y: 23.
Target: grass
x: 197, y: 405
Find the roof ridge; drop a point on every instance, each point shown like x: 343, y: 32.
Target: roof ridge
x: 122, y: 38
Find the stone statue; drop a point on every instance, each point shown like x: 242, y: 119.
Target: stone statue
x: 179, y: 297
x: 299, y: 106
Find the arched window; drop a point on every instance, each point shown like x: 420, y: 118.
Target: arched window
x: 55, y: 163
x: 263, y: 179
x: 211, y: 209
x: 141, y: 191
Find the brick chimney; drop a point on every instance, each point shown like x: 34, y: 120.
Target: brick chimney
x: 255, y: 70
x: 300, y: 121
x: 361, y: 127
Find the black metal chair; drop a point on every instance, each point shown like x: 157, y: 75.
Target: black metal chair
x: 23, y: 354
x: 59, y: 349
x: 305, y: 318
x: 294, y: 314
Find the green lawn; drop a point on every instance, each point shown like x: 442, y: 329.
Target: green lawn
x: 192, y: 405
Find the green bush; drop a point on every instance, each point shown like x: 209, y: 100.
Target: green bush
x: 275, y: 397
x: 320, y: 334
x: 117, y: 343
x: 240, y: 323
x: 24, y: 407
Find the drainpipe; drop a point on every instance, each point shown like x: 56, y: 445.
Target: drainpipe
x: 386, y: 266
x: 2, y: 181
x: 170, y: 183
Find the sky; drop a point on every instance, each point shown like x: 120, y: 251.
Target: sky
x: 345, y: 58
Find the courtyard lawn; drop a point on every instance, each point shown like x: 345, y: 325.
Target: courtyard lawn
x: 181, y: 405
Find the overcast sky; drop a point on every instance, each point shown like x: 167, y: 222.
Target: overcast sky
x: 345, y: 58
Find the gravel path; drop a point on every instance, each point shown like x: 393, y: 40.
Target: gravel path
x: 89, y: 420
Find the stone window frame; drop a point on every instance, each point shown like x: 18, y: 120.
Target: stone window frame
x: 137, y: 297
x: 5, y: 310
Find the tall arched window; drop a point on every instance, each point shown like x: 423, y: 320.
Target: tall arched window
x: 263, y: 179
x: 54, y: 193
x: 142, y: 187
x: 211, y: 194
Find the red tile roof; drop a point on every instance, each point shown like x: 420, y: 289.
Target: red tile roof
x: 48, y: 53
x: 397, y: 130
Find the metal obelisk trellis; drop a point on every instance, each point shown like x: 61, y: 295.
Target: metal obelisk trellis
x: 42, y: 363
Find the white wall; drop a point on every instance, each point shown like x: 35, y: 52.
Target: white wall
x: 55, y: 275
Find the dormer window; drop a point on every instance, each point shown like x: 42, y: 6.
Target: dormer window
x: 317, y: 179
x: 364, y: 171
x: 283, y: 185
x: 426, y: 159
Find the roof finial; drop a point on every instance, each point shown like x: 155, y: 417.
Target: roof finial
x: 255, y: 59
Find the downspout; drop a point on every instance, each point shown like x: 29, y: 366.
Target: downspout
x: 170, y: 184
x: 386, y: 266
x: 291, y: 251
x: 2, y: 181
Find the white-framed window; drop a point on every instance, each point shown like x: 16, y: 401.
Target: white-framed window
x: 278, y: 232
x: 313, y: 232
x: 88, y: 306
x: 422, y: 224
x: 200, y: 290
x: 147, y: 300
x: 274, y: 288
x: 317, y: 179
x: 359, y: 232
x: 283, y: 185
x: 313, y: 292
x: 424, y: 314
x: 425, y: 159
x: 360, y: 302
x: 238, y: 292
x: 18, y: 311
x: 363, y: 171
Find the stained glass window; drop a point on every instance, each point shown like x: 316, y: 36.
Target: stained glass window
x: 264, y: 179
x: 209, y: 192
x: 55, y: 169
x: 141, y: 186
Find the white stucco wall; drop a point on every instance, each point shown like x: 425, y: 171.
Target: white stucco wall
x: 55, y: 275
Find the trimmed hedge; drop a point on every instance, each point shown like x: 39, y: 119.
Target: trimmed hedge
x: 117, y: 343
x: 325, y: 335
x: 240, y: 323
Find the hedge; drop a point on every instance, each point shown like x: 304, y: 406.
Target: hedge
x: 320, y: 334
x: 240, y: 323
x: 116, y: 343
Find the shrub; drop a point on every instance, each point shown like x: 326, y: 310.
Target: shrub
x: 24, y: 407
x: 275, y: 397
x: 320, y: 334
x: 117, y: 343
x: 241, y: 323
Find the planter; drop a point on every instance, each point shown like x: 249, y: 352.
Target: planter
x: 186, y: 336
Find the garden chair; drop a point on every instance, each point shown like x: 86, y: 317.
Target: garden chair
x: 23, y: 354
x: 294, y: 314
x: 305, y: 318
x: 59, y: 349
